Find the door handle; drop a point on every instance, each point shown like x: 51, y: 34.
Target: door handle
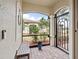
x: 3, y: 34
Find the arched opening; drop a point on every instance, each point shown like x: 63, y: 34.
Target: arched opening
x: 35, y: 29
x: 62, y: 23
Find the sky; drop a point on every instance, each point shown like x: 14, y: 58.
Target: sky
x: 34, y: 16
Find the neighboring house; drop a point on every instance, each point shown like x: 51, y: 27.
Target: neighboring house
x: 28, y: 23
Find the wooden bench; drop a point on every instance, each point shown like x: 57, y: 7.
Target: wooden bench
x: 23, y: 50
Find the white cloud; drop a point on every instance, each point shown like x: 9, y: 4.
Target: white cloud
x: 39, y: 18
x: 27, y: 16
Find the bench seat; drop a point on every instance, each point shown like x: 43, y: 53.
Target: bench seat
x: 23, y: 50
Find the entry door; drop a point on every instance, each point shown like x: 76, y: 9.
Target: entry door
x: 62, y: 31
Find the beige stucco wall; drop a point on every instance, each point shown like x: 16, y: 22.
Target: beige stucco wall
x: 60, y: 4
x: 27, y: 7
x: 8, y: 22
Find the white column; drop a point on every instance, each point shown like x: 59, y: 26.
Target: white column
x: 51, y: 30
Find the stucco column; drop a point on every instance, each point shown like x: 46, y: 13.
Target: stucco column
x: 51, y: 30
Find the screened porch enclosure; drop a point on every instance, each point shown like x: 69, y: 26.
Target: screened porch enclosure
x: 36, y: 30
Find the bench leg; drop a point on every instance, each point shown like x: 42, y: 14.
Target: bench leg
x: 28, y: 56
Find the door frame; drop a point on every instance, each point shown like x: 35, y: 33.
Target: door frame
x: 74, y: 29
x: 74, y: 8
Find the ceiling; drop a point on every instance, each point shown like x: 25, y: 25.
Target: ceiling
x: 42, y: 2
